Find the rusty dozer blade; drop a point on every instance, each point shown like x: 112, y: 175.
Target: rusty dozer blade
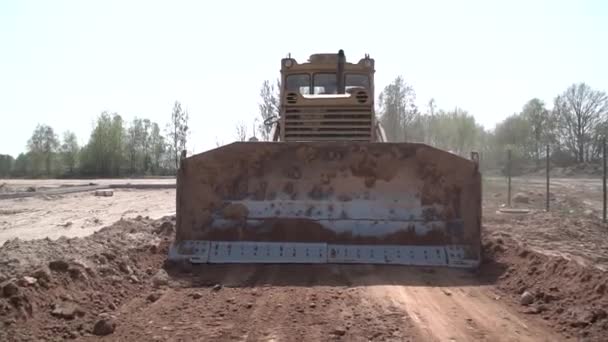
x: 328, y: 202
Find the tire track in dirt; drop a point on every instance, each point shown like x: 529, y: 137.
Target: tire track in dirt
x: 462, y: 311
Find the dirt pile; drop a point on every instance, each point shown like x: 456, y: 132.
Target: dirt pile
x: 574, y: 236
x: 54, y: 290
x: 572, y: 298
x: 115, y: 283
x: 576, y: 170
x: 585, y: 169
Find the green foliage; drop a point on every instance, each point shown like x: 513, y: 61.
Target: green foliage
x: 6, y: 165
x: 535, y: 113
x: 114, y: 149
x: 574, y: 129
x: 144, y: 147
x: 103, y: 155
x: 136, y: 145
x: 515, y: 133
x: 22, y: 166
x: 156, y: 150
x: 69, y: 152
x: 42, y: 146
x: 456, y: 131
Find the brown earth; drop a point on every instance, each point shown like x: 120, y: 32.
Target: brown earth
x: 571, y: 229
x: 114, y: 275
x: 571, y: 298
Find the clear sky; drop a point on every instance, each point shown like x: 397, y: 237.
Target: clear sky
x: 64, y: 62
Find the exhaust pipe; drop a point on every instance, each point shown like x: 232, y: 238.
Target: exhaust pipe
x: 340, y: 72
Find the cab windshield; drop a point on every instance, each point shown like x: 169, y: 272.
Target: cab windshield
x: 298, y: 83
x: 325, y: 83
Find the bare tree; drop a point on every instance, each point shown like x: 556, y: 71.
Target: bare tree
x: 580, y: 109
x: 177, y: 132
x: 241, y: 132
x: 432, y: 106
x: 398, y: 109
x: 269, y: 107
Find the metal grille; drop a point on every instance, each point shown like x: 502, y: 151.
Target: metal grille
x: 328, y: 124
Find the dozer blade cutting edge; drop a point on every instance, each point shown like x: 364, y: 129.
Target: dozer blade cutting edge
x: 328, y: 202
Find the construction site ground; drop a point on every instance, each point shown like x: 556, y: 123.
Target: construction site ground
x: 543, y: 277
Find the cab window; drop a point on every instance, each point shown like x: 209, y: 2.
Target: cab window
x: 298, y: 83
x: 325, y: 84
x: 356, y: 81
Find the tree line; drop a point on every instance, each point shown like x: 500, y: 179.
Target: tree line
x: 115, y: 148
x: 573, y: 128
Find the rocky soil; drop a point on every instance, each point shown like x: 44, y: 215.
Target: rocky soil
x: 114, y: 284
x: 570, y: 297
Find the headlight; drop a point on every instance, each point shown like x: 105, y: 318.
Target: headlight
x: 288, y: 63
x: 368, y: 63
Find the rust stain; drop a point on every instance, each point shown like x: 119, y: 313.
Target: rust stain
x: 306, y: 153
x: 288, y: 188
x: 294, y: 172
x: 430, y: 214
x: 364, y: 168
x: 370, y: 181
x: 235, y: 211
x: 326, y: 178
x: 259, y: 193
x: 306, y: 230
x: 319, y: 192
x: 344, y: 198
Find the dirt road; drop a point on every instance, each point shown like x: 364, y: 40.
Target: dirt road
x: 19, y: 185
x: 463, y: 311
x: 78, y: 214
x: 587, y: 190
x: 314, y: 303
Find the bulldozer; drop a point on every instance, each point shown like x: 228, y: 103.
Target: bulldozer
x: 329, y: 187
